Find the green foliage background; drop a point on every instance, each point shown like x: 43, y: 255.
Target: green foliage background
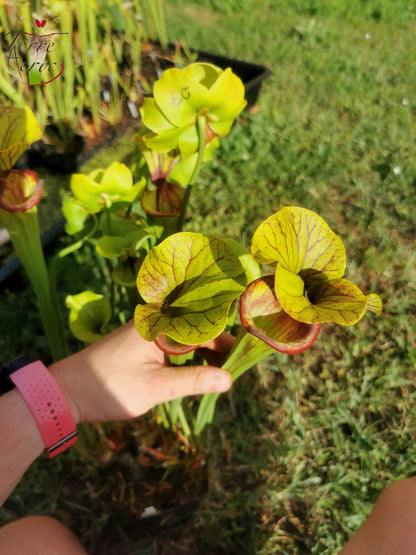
x: 303, y: 445
x: 334, y: 132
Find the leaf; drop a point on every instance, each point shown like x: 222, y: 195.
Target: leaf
x: 20, y: 191
x: 125, y: 273
x: 188, y: 141
x: 75, y: 215
x: 374, y: 303
x: 300, y: 240
x: 338, y: 301
x: 102, y: 188
x: 310, y: 260
x: 189, y: 282
x: 165, y: 200
x: 263, y: 316
x: 251, y: 268
x: 18, y: 129
x: 113, y: 247
x: 179, y: 93
x: 89, y: 315
x: 183, y: 95
x: 181, y: 173
x: 170, y: 348
x: 87, y: 193
x: 128, y: 245
x: 220, y: 128
x: 225, y: 99
x: 203, y: 73
x: 153, y: 118
x: 164, y: 142
x: 125, y: 237
x: 117, y: 183
x: 159, y: 163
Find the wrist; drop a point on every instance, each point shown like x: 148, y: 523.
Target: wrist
x: 61, y: 371
x: 48, y: 406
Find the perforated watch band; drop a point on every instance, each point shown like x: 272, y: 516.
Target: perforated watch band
x: 47, y: 405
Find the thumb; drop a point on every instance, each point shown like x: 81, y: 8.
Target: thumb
x: 192, y: 380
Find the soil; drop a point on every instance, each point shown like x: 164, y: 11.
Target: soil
x: 149, y: 484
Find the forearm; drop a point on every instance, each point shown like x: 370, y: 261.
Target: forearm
x: 122, y: 376
x: 83, y: 387
x: 20, y: 441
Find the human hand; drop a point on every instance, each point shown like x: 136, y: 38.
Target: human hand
x: 123, y: 376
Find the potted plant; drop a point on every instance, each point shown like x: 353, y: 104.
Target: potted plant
x: 182, y: 286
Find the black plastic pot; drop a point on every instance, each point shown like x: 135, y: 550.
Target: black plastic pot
x: 252, y: 75
x: 64, y: 160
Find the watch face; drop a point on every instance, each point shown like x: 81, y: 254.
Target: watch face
x: 5, y: 383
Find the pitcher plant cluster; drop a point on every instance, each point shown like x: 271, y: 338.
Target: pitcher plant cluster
x: 186, y: 288
x: 190, y: 283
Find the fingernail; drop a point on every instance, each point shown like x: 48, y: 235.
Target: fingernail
x: 223, y: 382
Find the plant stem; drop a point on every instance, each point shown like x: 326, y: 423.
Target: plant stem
x: 162, y: 414
x: 35, y: 77
x: 23, y: 228
x: 6, y: 86
x: 184, y: 206
x: 174, y: 408
x: 200, y: 124
x: 156, y: 21
x: 88, y: 34
x: 246, y: 352
x: 68, y: 82
x: 177, y: 414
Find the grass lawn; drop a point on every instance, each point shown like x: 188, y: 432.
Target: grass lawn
x: 303, y: 445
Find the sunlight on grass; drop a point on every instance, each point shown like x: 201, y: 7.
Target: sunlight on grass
x: 334, y: 133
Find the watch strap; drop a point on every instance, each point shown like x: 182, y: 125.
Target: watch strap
x: 7, y: 369
x: 47, y: 405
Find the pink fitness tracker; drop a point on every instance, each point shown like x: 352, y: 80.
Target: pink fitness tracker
x: 47, y: 405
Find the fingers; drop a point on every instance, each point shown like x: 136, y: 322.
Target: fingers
x: 190, y: 380
x: 216, y: 350
x: 221, y: 344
